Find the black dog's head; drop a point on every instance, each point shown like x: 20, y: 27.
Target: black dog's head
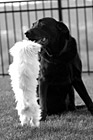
x: 50, y: 33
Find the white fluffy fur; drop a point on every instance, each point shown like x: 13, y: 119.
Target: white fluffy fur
x: 24, y: 73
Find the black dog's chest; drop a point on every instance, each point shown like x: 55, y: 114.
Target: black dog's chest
x: 54, y: 72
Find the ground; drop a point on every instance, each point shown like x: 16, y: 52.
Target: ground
x: 76, y: 125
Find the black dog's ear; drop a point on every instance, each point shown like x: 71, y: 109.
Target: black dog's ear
x: 63, y: 29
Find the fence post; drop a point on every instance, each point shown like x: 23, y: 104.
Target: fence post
x: 60, y: 10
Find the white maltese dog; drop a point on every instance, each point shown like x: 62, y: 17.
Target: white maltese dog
x: 24, y: 73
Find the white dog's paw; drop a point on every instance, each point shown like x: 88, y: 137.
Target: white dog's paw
x: 24, y: 120
x: 34, y: 123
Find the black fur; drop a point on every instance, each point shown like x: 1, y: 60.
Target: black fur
x: 60, y: 69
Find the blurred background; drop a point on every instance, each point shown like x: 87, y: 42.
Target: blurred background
x: 16, y: 17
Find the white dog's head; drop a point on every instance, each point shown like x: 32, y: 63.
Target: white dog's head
x: 24, y: 49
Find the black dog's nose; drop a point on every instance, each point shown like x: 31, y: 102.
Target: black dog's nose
x: 30, y: 35
x: 27, y: 34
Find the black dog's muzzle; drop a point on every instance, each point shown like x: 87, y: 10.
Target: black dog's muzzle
x: 38, y: 36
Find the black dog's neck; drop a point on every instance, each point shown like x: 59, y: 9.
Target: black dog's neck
x: 64, y: 48
x: 56, y: 54
x: 48, y: 51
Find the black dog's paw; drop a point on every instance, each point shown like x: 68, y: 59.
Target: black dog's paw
x: 71, y: 107
x: 91, y: 109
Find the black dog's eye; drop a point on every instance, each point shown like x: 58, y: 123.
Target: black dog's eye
x: 41, y: 24
x: 35, y: 24
x: 38, y: 25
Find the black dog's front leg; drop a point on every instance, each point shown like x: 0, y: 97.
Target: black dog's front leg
x: 71, y: 99
x: 43, y: 86
x: 80, y: 88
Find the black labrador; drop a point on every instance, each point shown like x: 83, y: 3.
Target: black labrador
x: 60, y: 69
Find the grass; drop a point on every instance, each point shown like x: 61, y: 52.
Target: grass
x: 76, y: 125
